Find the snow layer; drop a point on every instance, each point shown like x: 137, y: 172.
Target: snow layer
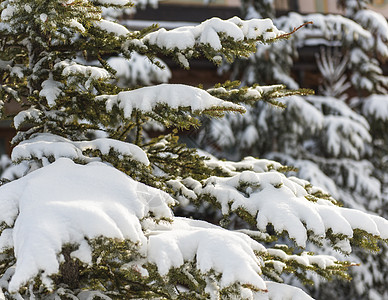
x: 51, y: 89
x: 278, y: 291
x: 305, y: 259
x: 138, y: 70
x: 209, y: 32
x: 376, y: 106
x: 47, y: 145
x: 70, y: 69
x: 174, y: 95
x: 311, y: 116
x: 379, y: 26
x: 66, y: 203
x: 69, y: 203
x: 114, y: 2
x: 272, y: 198
x: 346, y: 132
x: 228, y: 253
x: 328, y: 27
x: 31, y: 114
x: 248, y: 163
x: 112, y: 27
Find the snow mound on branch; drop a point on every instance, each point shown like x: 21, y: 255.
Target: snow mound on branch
x: 311, y: 116
x: 209, y: 32
x: 282, y: 291
x: 327, y: 27
x: 247, y: 163
x: 69, y: 203
x: 51, y: 89
x: 139, y: 70
x: 174, y: 95
x: 311, y: 172
x: 71, y: 70
x: 272, y: 198
x: 376, y: 106
x: 213, y: 248
x: 113, y: 2
x: 346, y: 136
x: 112, y: 27
x: 45, y: 145
x: 31, y: 114
x: 346, y: 132
x: 379, y: 26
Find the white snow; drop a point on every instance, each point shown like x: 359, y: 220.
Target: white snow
x: 51, y: 89
x: 249, y: 136
x: 277, y: 291
x: 174, y: 95
x: 183, y: 60
x: 221, y: 131
x: 75, y: 24
x: 330, y: 26
x: 114, y: 2
x: 111, y: 27
x: 305, y: 259
x: 310, y: 171
x: 49, y: 145
x: 30, y: 114
x: 311, y: 116
x: 247, y: 163
x: 17, y: 71
x: 346, y: 136
x: 88, y: 201
x: 8, y: 12
x: 346, y: 132
x: 209, y: 31
x: 378, y: 25
x: 90, y: 295
x: 376, y: 106
x: 27, y: 8
x: 85, y: 201
x: 138, y: 70
x: 43, y: 17
x: 228, y: 253
x: 275, y: 199
x: 90, y: 72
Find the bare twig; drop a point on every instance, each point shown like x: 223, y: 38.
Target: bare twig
x: 286, y: 35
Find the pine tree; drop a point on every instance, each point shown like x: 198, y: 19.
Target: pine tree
x: 335, y: 141
x: 87, y: 213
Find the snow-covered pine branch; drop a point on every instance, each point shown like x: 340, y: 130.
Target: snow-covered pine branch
x: 353, y: 171
x: 362, y: 33
x: 304, y: 213
x: 48, y: 147
x: 232, y: 91
x: 174, y: 96
x: 78, y: 216
x: 376, y: 107
x: 139, y: 70
x: 90, y: 214
x: 213, y: 38
x: 79, y: 205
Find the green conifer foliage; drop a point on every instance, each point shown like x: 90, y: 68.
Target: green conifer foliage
x: 88, y: 214
x: 335, y: 138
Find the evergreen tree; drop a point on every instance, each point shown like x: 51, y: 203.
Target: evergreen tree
x: 335, y: 141
x: 87, y: 212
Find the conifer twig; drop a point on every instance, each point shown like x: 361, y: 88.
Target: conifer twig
x: 295, y: 30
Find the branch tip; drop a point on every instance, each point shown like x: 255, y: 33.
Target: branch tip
x: 286, y: 35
